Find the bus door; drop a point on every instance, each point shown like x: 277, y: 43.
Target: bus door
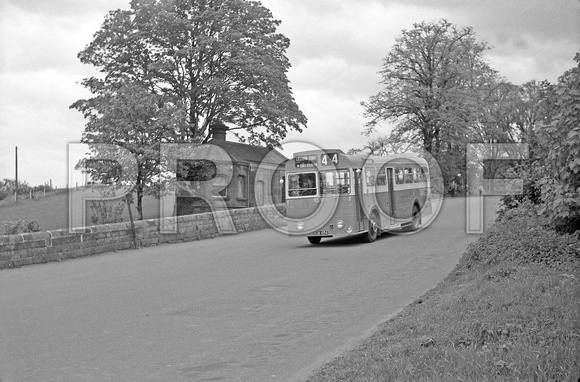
x: 369, y: 191
x: 359, y: 199
x: 390, y: 179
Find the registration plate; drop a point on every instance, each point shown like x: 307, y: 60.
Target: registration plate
x: 320, y: 233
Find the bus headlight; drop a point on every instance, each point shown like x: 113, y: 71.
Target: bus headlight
x: 349, y: 229
x: 340, y: 224
x: 300, y: 226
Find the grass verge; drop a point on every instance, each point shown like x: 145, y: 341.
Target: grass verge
x: 51, y: 212
x: 510, y: 311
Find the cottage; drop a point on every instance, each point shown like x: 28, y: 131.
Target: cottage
x: 254, y: 176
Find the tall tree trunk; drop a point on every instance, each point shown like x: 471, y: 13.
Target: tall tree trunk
x: 139, y: 196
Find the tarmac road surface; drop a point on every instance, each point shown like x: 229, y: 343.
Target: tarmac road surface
x: 258, y: 306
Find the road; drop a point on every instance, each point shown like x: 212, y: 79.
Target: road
x: 258, y: 306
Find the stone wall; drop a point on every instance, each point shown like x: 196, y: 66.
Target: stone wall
x: 42, y: 247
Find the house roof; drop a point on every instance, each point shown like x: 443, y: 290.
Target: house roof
x: 241, y: 152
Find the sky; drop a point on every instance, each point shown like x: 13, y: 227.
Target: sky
x: 336, y: 51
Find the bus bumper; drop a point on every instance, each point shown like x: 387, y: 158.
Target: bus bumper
x: 337, y: 227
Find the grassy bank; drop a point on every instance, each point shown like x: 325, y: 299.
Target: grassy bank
x: 51, y: 212
x: 509, y: 311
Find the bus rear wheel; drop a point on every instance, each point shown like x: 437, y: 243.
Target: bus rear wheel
x: 373, y: 231
x: 314, y: 239
x: 416, y: 218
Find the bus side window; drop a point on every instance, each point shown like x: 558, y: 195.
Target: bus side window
x: 344, y: 181
x: 408, y: 175
x: 399, y: 176
x: 416, y: 176
x: 327, y: 182
x: 382, y: 177
x: 370, y: 176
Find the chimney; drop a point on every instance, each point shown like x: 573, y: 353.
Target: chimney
x: 218, y: 131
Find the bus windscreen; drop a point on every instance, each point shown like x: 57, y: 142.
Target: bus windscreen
x: 303, y: 184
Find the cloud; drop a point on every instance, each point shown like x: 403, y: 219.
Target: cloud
x: 554, y: 20
x: 361, y: 32
x: 34, y: 116
x: 48, y: 35
x: 333, y: 121
x: 529, y: 39
x: 336, y: 76
x: 64, y: 8
x: 539, y: 61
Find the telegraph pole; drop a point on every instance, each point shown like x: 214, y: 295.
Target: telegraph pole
x: 16, y: 182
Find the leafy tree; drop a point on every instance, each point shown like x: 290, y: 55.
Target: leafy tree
x: 499, y: 116
x: 212, y: 59
x: 435, y: 81
x: 534, y: 106
x: 171, y: 69
x: 514, y: 111
x: 396, y: 142
x: 560, y: 140
x: 521, y: 111
x: 122, y: 119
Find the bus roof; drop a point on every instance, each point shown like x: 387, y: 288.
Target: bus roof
x: 398, y: 158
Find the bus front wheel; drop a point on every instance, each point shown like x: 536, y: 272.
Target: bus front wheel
x: 373, y: 231
x: 314, y: 239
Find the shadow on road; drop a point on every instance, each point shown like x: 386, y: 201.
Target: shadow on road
x: 342, y: 241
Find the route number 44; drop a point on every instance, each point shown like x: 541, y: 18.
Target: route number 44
x: 329, y: 158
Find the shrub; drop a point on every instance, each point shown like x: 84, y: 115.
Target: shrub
x: 102, y: 212
x: 20, y: 226
x: 33, y: 226
x: 524, y: 237
x: 531, y: 193
x: 4, y: 194
x: 560, y: 141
